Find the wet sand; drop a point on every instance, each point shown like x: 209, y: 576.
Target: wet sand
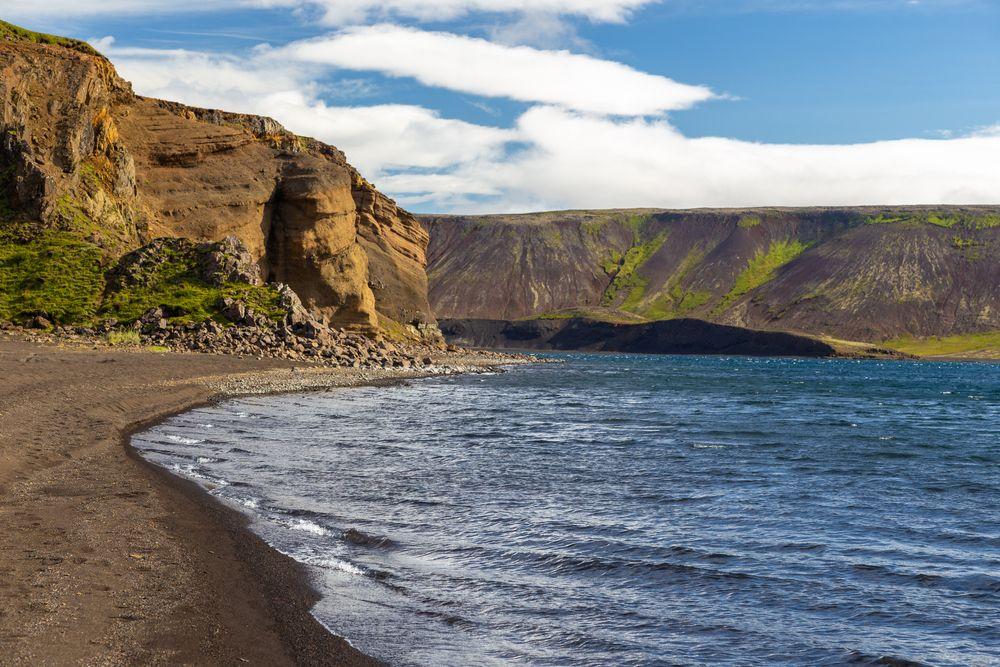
x: 105, y: 559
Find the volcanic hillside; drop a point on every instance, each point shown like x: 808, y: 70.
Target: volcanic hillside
x: 868, y: 273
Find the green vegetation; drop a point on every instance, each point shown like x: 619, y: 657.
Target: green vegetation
x: 56, y: 275
x: 184, y: 297
x: 594, y: 227
x: 748, y: 222
x: 397, y: 331
x: 71, y: 217
x: 970, y: 220
x: 961, y: 243
x: 882, y: 219
x: 124, y: 337
x: 943, y: 221
x: 12, y: 33
x: 596, y: 314
x: 762, y: 269
x: 611, y: 265
x: 626, y: 279
x: 677, y: 301
x: 985, y: 345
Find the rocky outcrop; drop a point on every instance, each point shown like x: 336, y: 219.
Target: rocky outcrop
x: 80, y: 152
x: 215, y: 264
x: 866, y: 274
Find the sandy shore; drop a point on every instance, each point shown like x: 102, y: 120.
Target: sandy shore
x: 105, y: 559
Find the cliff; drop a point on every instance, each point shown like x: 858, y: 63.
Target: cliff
x: 866, y: 273
x: 85, y: 160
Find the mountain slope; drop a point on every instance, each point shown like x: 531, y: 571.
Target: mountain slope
x: 82, y: 155
x: 866, y: 273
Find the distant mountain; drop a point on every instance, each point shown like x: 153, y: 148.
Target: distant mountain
x: 865, y: 273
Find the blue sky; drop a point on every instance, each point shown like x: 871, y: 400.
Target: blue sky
x: 668, y: 103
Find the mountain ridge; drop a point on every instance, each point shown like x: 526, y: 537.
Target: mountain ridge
x: 866, y: 273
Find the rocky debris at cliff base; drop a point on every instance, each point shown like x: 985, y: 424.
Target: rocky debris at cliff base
x: 312, y: 343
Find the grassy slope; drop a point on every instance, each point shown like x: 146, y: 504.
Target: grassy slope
x: 980, y: 345
x: 56, y: 274
x: 13, y: 33
x: 761, y: 269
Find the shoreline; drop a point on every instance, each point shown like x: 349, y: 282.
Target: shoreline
x: 108, y: 558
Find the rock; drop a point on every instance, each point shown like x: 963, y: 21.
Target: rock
x: 234, y: 311
x: 151, y: 316
x: 228, y: 261
x: 40, y: 322
x: 295, y: 312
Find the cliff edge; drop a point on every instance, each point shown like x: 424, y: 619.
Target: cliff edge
x: 83, y: 157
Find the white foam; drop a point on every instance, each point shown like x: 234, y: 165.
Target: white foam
x: 188, y: 470
x: 307, y: 526
x: 331, y: 563
x: 250, y: 503
x: 184, y: 441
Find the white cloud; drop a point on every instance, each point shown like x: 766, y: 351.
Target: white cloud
x: 481, y: 67
x: 37, y: 9
x: 987, y: 131
x: 355, y: 11
x: 375, y: 138
x: 333, y: 12
x: 581, y: 161
x: 556, y: 158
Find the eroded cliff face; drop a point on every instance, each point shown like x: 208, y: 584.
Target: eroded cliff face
x: 81, y: 152
x: 866, y: 273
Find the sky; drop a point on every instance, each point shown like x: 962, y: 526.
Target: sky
x: 481, y: 106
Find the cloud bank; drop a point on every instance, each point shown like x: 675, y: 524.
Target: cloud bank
x: 568, y: 150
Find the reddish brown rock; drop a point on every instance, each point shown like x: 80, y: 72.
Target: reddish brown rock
x: 83, y: 151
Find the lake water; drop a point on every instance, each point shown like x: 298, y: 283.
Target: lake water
x: 632, y: 510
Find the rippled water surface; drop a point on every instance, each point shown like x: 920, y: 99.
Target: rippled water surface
x: 632, y: 510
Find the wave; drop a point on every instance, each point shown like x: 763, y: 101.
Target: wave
x: 355, y: 536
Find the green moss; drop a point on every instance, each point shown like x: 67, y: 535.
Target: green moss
x: 961, y: 243
x: 184, y: 298
x: 985, y: 344
x: 175, y: 286
x: 967, y: 220
x: 677, y: 303
x: 636, y: 294
x: 611, y: 265
x: 396, y: 331
x: 124, y: 337
x: 551, y: 235
x: 597, y: 314
x: 71, y: 217
x: 594, y: 227
x: 12, y: 33
x: 946, y: 221
x: 748, y: 222
x: 626, y: 279
x: 883, y: 219
x: 91, y: 177
x: 56, y: 274
x: 762, y: 269
x: 985, y: 221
